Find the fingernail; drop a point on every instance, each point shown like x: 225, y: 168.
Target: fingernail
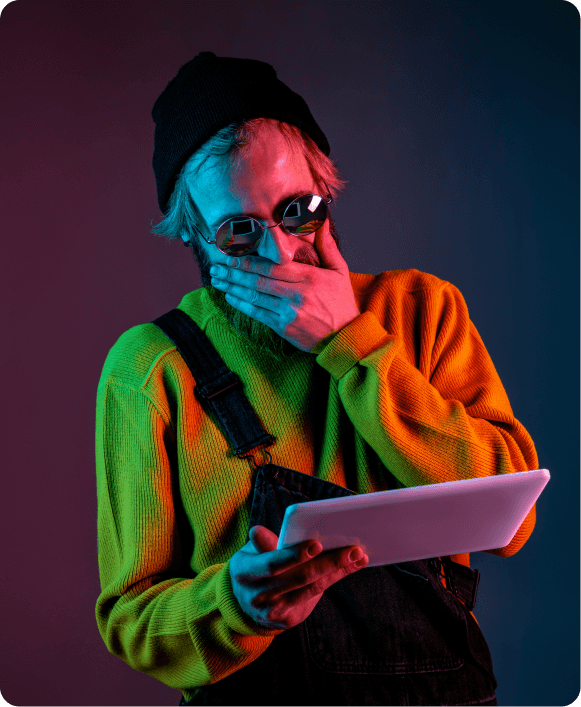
x: 232, y: 262
x: 355, y: 555
x: 314, y: 549
x: 362, y: 562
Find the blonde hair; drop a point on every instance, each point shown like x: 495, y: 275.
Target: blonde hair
x: 183, y: 217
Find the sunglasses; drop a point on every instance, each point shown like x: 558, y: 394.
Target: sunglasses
x: 242, y: 235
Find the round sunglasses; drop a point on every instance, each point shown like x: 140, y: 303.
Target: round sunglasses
x: 242, y: 235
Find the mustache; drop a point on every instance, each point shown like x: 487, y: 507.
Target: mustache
x: 307, y: 254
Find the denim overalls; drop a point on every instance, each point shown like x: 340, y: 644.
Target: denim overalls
x: 388, y: 635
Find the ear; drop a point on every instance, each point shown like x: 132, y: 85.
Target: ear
x: 185, y: 239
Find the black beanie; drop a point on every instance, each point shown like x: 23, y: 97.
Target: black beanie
x: 210, y: 92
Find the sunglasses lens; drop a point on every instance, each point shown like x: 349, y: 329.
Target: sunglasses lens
x: 238, y: 236
x: 305, y: 215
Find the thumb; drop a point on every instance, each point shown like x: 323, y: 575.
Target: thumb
x: 263, y: 539
x: 327, y: 248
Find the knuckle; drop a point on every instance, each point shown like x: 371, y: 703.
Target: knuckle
x: 318, y: 586
x: 300, y: 551
x: 265, y: 267
x: 239, y: 578
x: 305, y: 576
x: 273, y: 614
x: 278, y: 622
x: 257, y: 601
x: 271, y: 568
x: 338, y: 562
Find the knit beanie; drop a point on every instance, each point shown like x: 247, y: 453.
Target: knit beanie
x: 208, y: 93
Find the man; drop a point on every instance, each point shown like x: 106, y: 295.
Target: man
x: 360, y: 383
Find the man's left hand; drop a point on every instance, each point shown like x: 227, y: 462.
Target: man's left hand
x: 300, y: 302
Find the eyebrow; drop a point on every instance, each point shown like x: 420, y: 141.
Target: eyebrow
x: 286, y: 200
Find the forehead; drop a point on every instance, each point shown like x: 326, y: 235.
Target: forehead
x: 255, y: 183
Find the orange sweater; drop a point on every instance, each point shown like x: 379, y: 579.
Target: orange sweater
x: 404, y: 395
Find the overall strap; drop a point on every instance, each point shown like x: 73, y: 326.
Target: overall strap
x: 217, y: 387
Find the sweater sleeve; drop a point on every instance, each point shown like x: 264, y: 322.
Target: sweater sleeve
x: 154, y: 612
x: 427, y: 398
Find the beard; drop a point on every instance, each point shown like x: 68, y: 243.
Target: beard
x: 249, y: 330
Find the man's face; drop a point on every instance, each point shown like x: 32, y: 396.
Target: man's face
x: 259, y: 185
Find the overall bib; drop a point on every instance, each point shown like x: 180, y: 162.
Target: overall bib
x: 387, y: 635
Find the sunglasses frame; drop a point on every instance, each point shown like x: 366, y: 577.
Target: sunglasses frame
x: 328, y: 199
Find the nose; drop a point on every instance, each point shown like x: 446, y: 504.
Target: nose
x: 278, y: 245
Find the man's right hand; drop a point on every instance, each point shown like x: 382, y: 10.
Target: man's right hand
x: 279, y: 588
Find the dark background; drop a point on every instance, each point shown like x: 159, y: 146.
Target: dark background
x: 457, y: 126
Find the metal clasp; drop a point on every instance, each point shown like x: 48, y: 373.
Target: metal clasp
x: 245, y: 456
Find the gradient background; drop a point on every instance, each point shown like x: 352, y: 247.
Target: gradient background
x: 457, y: 126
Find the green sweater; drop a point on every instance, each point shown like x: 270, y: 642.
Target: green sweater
x: 404, y: 395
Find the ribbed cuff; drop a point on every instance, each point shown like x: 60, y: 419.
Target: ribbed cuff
x: 340, y: 351
x: 232, y: 611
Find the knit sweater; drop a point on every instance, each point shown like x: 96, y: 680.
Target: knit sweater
x: 404, y: 395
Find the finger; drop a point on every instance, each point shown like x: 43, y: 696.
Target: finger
x: 327, y: 248
x: 309, y: 591
x: 265, y: 316
x: 337, y: 563
x: 263, y: 539
x: 253, y: 297
x: 292, y: 272
x: 267, y: 565
x: 222, y: 276
x: 221, y: 273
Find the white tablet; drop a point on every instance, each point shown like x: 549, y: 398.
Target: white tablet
x: 419, y: 522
